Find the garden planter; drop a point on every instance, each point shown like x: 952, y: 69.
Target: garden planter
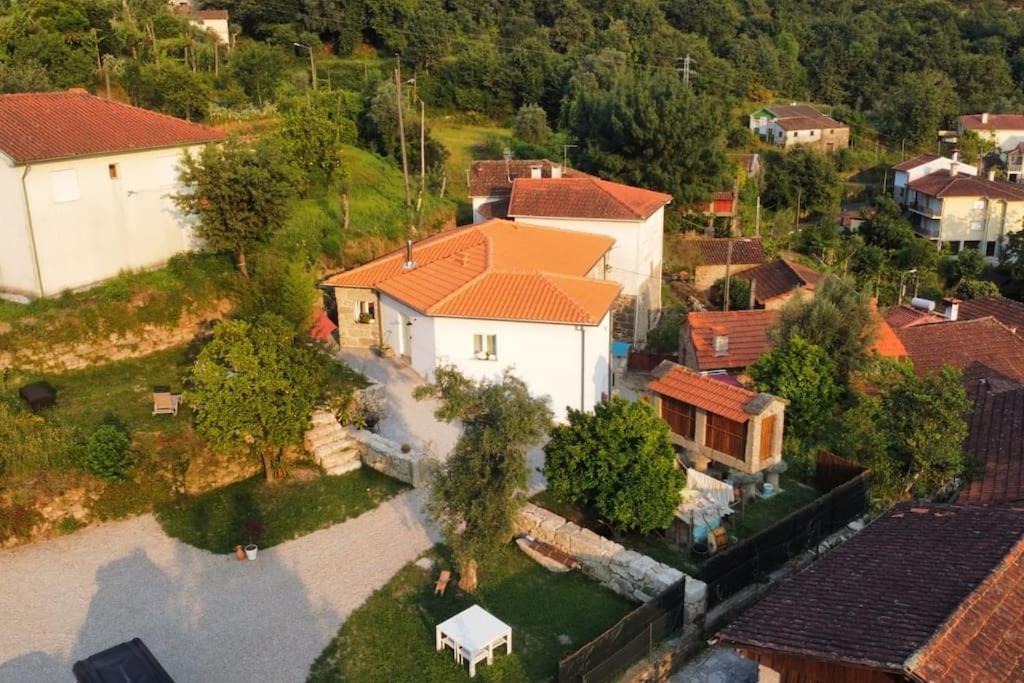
x: 239, y: 553
x: 250, y: 551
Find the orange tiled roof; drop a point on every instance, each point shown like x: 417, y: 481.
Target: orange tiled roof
x: 712, y: 395
x: 582, y: 198
x: 778, y: 278
x: 995, y: 122
x: 493, y: 177
x: 747, y: 332
x: 942, y: 184
x: 911, y: 164
x: 64, y: 125
x: 903, y: 316
x: 1006, y: 311
x: 982, y: 348
x: 496, y: 270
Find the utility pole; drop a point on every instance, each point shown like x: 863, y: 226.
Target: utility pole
x: 565, y: 155
x: 757, y: 218
x: 312, y: 62
x: 423, y: 150
x: 687, y: 69
x: 796, y: 221
x: 401, y: 130
x: 728, y: 267
x: 106, y: 74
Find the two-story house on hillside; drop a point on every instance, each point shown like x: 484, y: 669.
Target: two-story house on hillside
x: 949, y: 205
x: 490, y: 182
x: 85, y: 190
x: 488, y: 298
x: 790, y: 125
x: 633, y: 217
x: 1004, y: 131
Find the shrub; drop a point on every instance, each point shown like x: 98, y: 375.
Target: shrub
x: 107, y: 453
x: 29, y: 443
x: 531, y: 124
x: 17, y: 520
x: 664, y: 338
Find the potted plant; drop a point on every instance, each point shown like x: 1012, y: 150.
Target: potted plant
x: 384, y: 350
x: 365, y: 319
x: 481, y: 355
x: 254, y: 531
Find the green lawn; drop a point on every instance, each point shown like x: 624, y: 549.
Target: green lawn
x: 391, y: 637
x: 764, y: 512
x: 268, y: 514
x: 464, y: 142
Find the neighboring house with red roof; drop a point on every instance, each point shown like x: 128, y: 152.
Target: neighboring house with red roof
x: 1005, y: 131
x: 995, y: 442
x: 1014, y: 159
x: 85, y: 186
x: 713, y: 254
x: 212, y: 20
x: 776, y: 282
x: 715, y: 421
x: 488, y: 298
x: 799, y: 124
x: 633, y: 217
x: 1007, y: 311
x: 926, y: 593
x: 490, y: 182
x: 950, y: 205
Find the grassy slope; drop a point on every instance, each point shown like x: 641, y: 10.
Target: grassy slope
x: 391, y: 637
x: 464, y: 142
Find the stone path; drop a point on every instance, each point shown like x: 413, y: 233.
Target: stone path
x: 718, y: 665
x: 206, y: 617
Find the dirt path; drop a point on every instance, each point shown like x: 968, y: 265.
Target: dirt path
x: 206, y: 617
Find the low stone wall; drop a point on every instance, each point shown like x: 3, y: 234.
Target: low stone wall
x: 628, y: 573
x: 370, y: 403
x: 386, y: 456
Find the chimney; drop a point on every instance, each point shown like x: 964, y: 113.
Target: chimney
x: 556, y: 171
x: 409, y: 263
x: 536, y: 171
x: 992, y: 174
x: 720, y: 341
x: 952, y: 309
x: 984, y: 117
x: 955, y: 162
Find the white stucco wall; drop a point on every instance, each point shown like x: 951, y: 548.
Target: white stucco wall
x: 218, y: 26
x: 114, y: 224
x: 17, y: 268
x: 1005, y: 139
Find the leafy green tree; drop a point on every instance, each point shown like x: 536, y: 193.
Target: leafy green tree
x: 30, y: 76
x: 838, y: 319
x: 916, y: 106
x: 910, y: 433
x: 974, y: 289
x: 619, y: 461
x: 480, y: 490
x: 313, y: 140
x: 259, y: 68
x: 238, y: 192
x: 803, y: 176
x: 649, y: 129
x: 380, y: 130
x: 254, y: 387
x: 170, y: 87
x: 805, y: 375
x: 107, y: 452
x: 285, y: 287
x: 531, y: 124
x: 739, y: 292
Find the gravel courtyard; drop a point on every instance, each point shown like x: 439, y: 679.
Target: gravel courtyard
x: 206, y: 617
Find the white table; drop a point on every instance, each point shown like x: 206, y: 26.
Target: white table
x: 474, y: 634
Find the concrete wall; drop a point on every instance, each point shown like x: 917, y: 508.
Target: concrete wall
x: 626, y: 572
x: 1004, y: 139
x: 979, y: 219
x: 107, y: 226
x: 706, y: 276
x: 386, y: 456
x: 218, y: 26
x: 824, y: 139
x: 17, y: 262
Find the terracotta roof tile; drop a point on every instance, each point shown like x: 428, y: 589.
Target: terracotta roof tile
x: 777, y: 278
x: 903, y: 315
x: 882, y: 596
x: 913, y: 163
x: 209, y: 14
x: 996, y: 442
x: 942, y: 184
x: 582, y: 198
x: 995, y: 122
x: 716, y: 397
x: 493, y: 178
x: 747, y: 332
x: 1006, y: 311
x: 982, y: 348
x: 63, y: 125
x: 499, y: 270
x: 714, y: 250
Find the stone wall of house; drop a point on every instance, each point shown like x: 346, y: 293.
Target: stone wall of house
x: 386, y: 456
x: 351, y: 332
x: 628, y: 573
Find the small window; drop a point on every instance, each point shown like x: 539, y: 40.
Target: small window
x: 112, y: 171
x: 366, y: 312
x: 485, y: 346
x: 64, y: 185
x: 990, y: 249
x: 977, y: 225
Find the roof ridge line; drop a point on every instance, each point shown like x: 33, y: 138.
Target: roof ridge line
x: 599, y: 183
x: 471, y: 281
x: 547, y: 277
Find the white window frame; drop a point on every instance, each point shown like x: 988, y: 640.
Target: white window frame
x: 64, y: 186
x: 366, y: 307
x: 485, y: 346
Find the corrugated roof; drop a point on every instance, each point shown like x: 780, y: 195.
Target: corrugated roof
x: 995, y: 122
x: 747, y: 332
x: 63, y: 125
x: 777, y: 278
x: 942, y: 184
x: 714, y: 251
x: 582, y: 198
x: 882, y: 596
x: 498, y: 270
x: 683, y: 384
x: 493, y: 177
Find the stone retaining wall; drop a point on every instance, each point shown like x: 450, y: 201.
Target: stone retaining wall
x: 386, y: 456
x: 628, y: 573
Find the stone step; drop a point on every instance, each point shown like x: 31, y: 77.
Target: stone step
x: 337, y: 446
x: 322, y: 418
x: 344, y: 469
x: 339, y: 458
x: 324, y: 434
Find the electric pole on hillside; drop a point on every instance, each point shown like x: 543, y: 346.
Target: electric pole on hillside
x: 728, y: 268
x: 401, y: 129
x: 423, y: 151
x: 687, y: 69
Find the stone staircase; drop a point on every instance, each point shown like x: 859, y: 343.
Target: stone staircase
x: 624, y: 318
x: 331, y: 446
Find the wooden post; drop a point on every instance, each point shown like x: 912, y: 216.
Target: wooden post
x: 401, y: 133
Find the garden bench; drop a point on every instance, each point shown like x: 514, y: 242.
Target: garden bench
x: 165, y: 403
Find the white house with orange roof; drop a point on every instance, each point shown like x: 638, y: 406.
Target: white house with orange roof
x: 85, y: 190
x: 488, y: 298
x: 633, y: 217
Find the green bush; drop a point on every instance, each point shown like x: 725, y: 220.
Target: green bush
x: 107, y: 453
x: 508, y: 669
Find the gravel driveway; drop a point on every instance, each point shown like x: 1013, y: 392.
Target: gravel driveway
x: 206, y: 617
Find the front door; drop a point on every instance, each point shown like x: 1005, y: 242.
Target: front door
x: 406, y: 337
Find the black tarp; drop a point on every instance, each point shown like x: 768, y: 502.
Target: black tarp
x: 129, y: 662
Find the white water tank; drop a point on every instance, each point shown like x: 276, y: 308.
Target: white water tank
x: 923, y: 304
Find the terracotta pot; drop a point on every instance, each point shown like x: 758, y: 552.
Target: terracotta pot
x: 239, y: 553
